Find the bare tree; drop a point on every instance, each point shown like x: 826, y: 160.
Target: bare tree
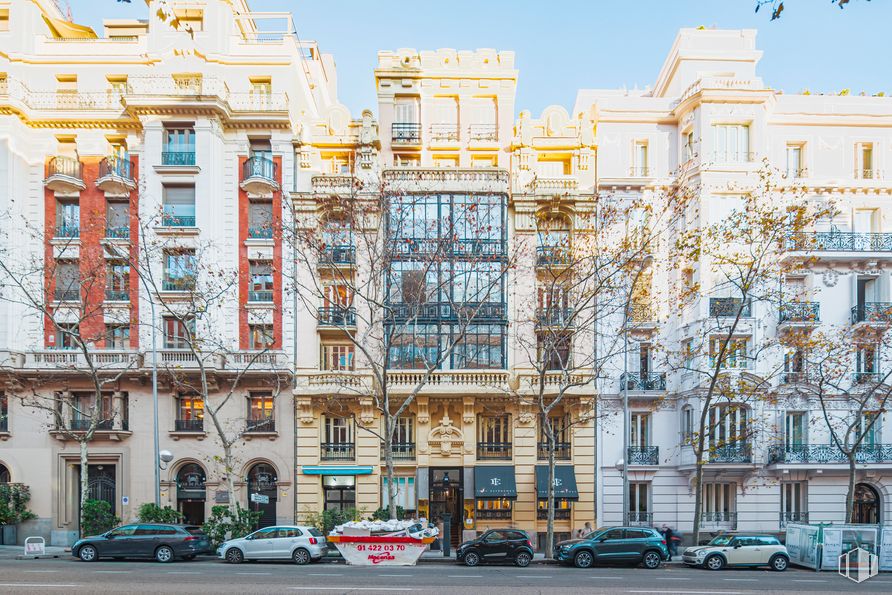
x: 412, y: 281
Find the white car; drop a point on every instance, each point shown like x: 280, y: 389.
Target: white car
x: 282, y: 542
x: 739, y: 550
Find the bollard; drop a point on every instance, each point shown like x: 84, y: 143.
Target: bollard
x: 447, y: 537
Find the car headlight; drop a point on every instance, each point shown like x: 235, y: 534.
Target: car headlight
x: 701, y: 554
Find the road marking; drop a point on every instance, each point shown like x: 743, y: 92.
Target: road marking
x: 464, y: 576
x: 112, y: 571
x: 610, y: 578
x: 325, y: 573
x: 692, y: 592
x: 30, y: 571
x: 398, y: 575
x: 749, y: 580
x: 350, y: 589
x: 808, y: 581
x: 533, y: 576
x: 181, y: 572
x: 253, y: 573
x: 43, y: 585
x: 673, y: 578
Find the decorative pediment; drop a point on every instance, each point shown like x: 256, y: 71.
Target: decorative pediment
x: 446, y: 438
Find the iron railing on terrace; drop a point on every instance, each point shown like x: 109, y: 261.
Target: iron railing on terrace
x: 117, y: 295
x: 483, y: 132
x: 725, y: 518
x: 262, y: 232
x: 800, y: 312
x: 400, y: 451
x: 827, y: 453
x: 257, y: 166
x: 337, y: 316
x: 444, y: 311
x: 68, y: 231
x: 494, y: 451
x: 880, y: 312
x: 339, y: 255
x: 174, y: 220
x: 445, y: 248
x: 178, y: 158
x: 338, y: 451
x: 555, y: 316
x: 65, y: 166
x: 406, y: 133
x: 117, y: 232
x: 561, y: 451
x: 839, y: 241
x: 260, y: 425
x: 638, y: 518
x: 643, y: 381
x: 729, y: 307
x: 189, y: 425
x: 644, y: 455
x: 116, y: 166
x: 792, y: 517
x: 731, y: 453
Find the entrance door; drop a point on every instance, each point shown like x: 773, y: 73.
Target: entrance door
x: 262, y: 480
x: 867, y: 502
x: 446, y: 497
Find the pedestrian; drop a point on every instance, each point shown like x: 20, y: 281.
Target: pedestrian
x: 587, y: 529
x: 671, y: 540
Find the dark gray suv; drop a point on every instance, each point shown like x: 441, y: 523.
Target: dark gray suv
x: 162, y: 542
x: 615, y: 545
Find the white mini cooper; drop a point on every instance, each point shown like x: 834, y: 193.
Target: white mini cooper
x: 739, y: 550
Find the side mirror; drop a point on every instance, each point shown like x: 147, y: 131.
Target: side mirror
x: 736, y: 546
x: 249, y: 537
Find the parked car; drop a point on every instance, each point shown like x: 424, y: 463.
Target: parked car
x: 497, y: 545
x: 739, y: 550
x: 612, y: 545
x: 160, y: 541
x: 298, y: 543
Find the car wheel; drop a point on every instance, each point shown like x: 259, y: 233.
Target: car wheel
x: 88, y: 553
x: 523, y: 559
x: 652, y: 560
x: 472, y: 559
x: 164, y: 554
x: 779, y: 563
x: 234, y: 555
x: 583, y: 560
x: 301, y: 556
x: 714, y: 562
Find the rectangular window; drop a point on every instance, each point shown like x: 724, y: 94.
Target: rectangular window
x: 731, y: 143
x: 260, y: 406
x: 67, y: 336
x: 794, y: 161
x: 117, y: 281
x: 639, y: 501
x: 84, y: 411
x: 68, y: 281
x: 117, y: 336
x: 260, y: 219
x: 337, y: 357
x: 68, y: 216
x: 178, y: 206
x: 4, y: 424
x: 494, y: 429
x: 641, y: 166
x: 180, y: 270
x: 418, y: 348
x: 338, y: 430
x: 555, y: 351
x: 735, y: 355
x: 562, y: 430
x: 481, y: 347
x: 719, y: 498
x: 864, y: 161
x: 687, y: 425
x: 870, y: 427
x: 117, y: 219
x: 687, y: 142
x: 179, y: 142
x: 339, y: 492
x: 261, y: 336
x: 795, y: 429
x: 190, y: 408
x: 261, y: 288
x: 405, y: 493
x: 406, y: 110
x: 640, y: 429
x: 794, y: 502
x: 178, y: 333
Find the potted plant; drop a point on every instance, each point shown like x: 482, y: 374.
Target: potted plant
x: 14, y: 498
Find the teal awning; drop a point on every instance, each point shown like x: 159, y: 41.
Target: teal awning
x: 494, y: 481
x: 564, y: 482
x: 336, y: 470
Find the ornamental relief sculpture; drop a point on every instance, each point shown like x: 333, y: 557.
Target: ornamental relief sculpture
x: 446, y: 438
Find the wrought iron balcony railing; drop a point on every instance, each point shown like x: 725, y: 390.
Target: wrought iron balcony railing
x: 643, y: 381
x: 561, y: 451
x: 400, y: 451
x: 880, y: 312
x: 644, y: 455
x: 641, y: 313
x: 839, y: 241
x: 405, y: 133
x: 117, y: 295
x: 725, y: 518
x: 483, y: 132
x: 442, y: 247
x: 547, y: 256
x: 729, y: 307
x: 117, y: 232
x: 260, y: 296
x: 800, y: 312
x: 84, y: 425
x: 67, y: 294
x: 260, y: 425
x: 189, y: 425
x: 555, y: 316
x: 337, y: 316
x: 178, y: 284
x: 731, y: 453
x: 820, y: 454
x: 263, y: 232
x: 65, y: 166
x: 502, y: 514
x: 494, y: 451
x: 258, y: 166
x: 116, y: 166
x: 338, y: 451
x: 173, y: 220
x: 67, y: 230
x: 639, y: 518
x: 792, y: 517
x: 178, y: 158
x: 444, y: 132
x: 560, y: 514
x: 442, y: 311
x: 339, y: 255
x: 866, y: 377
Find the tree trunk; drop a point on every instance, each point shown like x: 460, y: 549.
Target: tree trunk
x: 388, y: 463
x: 549, y: 532
x: 230, y: 480
x: 698, y: 498
x: 85, y: 483
x: 850, y: 494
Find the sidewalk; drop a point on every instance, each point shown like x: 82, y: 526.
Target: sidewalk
x: 17, y: 552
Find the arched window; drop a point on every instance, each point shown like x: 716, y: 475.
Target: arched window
x: 554, y: 240
x: 867, y: 504
x: 337, y: 242
x: 191, y: 493
x: 4, y: 474
x: 262, y: 486
x: 687, y: 424
x: 191, y: 477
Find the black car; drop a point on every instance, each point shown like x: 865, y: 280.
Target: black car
x: 162, y: 542
x: 497, y: 545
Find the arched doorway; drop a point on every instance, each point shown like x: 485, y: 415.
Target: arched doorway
x: 4, y: 474
x: 867, y: 504
x: 191, y: 493
x: 262, y: 482
x: 101, y: 484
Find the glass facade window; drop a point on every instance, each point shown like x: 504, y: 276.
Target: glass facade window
x: 117, y: 336
x: 260, y: 406
x: 261, y: 336
x: 336, y: 357
x: 190, y: 408
x: 177, y: 332
x: 405, y: 493
x: 180, y: 268
x: 416, y: 348
x: 481, y: 347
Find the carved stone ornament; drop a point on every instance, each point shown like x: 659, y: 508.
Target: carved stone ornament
x: 446, y: 438
x: 422, y: 414
x: 367, y: 412
x: 830, y: 277
x: 305, y: 410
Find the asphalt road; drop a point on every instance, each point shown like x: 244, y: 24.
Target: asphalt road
x: 66, y: 575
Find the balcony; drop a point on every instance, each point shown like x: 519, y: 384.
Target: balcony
x: 503, y: 514
x: 555, y: 317
x: 729, y: 308
x: 117, y: 295
x: 643, y: 381
x: 866, y: 378
x: 483, y: 133
x: 794, y: 377
x: 493, y: 451
x: 338, y: 451
x: 823, y: 454
x: 644, y: 455
x: 104, y: 359
x: 67, y: 294
x: 175, y: 220
x: 561, y: 451
x: 405, y: 133
x: 179, y: 284
x: 792, y: 517
x: 799, y: 314
x: 265, y: 296
x: 84, y: 425
x: 444, y: 133
x: 178, y: 158
x: 260, y: 426
x: 868, y: 174
x: 640, y: 172
x: 116, y: 175
x: 733, y: 454
x: 552, y: 256
x: 262, y: 232
x: 119, y: 232
x: 731, y: 157
x: 560, y: 514
x: 65, y: 175
x: 872, y: 313
x: 189, y: 425
x: 259, y: 175
x: 337, y: 317
x: 839, y: 241
x: 448, y: 382
x: 718, y: 520
x: 441, y: 179
x: 638, y: 518
x: 641, y: 314
x: 445, y: 312
x: 400, y: 451
x: 67, y: 231
x: 337, y: 256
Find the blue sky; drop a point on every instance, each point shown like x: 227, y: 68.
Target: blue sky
x: 565, y: 45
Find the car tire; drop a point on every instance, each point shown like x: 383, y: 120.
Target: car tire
x: 651, y: 560
x: 523, y: 559
x: 88, y: 553
x: 234, y: 556
x: 779, y: 563
x: 583, y: 559
x: 714, y: 562
x: 301, y: 556
x: 472, y: 558
x: 164, y: 554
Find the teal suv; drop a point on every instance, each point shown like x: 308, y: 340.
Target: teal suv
x: 615, y: 545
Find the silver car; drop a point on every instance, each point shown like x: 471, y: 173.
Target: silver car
x: 282, y: 542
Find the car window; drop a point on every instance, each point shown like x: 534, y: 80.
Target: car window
x: 612, y: 534
x: 144, y: 530
x: 267, y: 533
x: 769, y: 541
x: 516, y: 535
x: 495, y: 536
x: 314, y: 532
x: 637, y: 534
x: 721, y: 540
x: 288, y: 532
x: 194, y: 530
x: 124, y: 531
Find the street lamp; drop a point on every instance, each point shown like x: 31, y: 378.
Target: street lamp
x: 164, y: 457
